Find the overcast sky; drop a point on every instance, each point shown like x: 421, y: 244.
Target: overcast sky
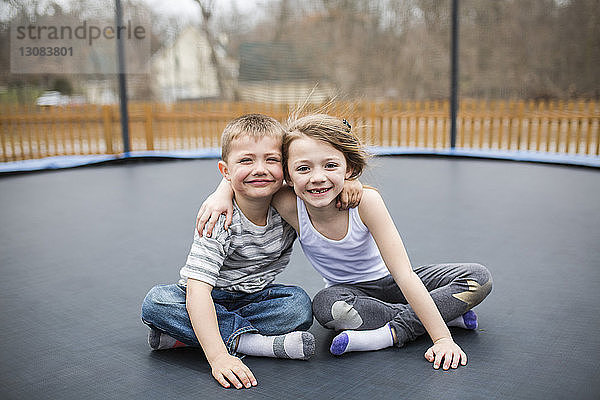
x: 189, y: 8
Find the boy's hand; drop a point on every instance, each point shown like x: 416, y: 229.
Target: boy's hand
x: 227, y: 368
x: 445, y: 349
x: 350, y: 195
x: 210, y: 211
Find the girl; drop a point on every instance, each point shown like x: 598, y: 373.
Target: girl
x: 372, y: 293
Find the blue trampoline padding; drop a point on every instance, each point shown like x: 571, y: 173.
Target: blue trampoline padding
x: 59, y: 162
x: 533, y: 156
x: 54, y: 162
x: 210, y: 152
x: 215, y: 152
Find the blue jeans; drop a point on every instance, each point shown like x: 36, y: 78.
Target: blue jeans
x: 275, y: 310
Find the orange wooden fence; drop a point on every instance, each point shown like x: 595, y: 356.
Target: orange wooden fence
x: 550, y: 127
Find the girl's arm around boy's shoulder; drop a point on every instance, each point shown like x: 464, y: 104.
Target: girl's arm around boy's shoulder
x: 219, y: 202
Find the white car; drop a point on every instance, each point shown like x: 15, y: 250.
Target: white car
x: 52, y: 98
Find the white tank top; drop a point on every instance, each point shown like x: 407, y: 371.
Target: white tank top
x: 352, y: 259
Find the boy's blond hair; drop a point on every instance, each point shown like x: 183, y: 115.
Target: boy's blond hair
x: 255, y: 126
x: 332, y: 130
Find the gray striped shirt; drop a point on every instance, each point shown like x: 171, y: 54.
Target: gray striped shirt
x: 245, y: 258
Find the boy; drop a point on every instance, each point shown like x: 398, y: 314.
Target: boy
x: 225, y: 301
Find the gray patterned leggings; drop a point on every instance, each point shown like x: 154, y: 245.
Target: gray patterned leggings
x: 455, y: 289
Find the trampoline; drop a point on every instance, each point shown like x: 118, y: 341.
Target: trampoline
x: 81, y: 247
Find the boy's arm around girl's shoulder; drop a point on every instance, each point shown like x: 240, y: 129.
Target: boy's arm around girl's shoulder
x: 284, y: 202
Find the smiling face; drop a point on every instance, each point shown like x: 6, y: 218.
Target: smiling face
x: 317, y: 171
x: 253, y: 167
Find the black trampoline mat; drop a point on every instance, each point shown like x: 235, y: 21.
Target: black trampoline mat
x: 80, y: 248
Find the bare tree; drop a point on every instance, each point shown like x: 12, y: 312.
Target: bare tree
x: 282, y: 21
x: 207, y: 9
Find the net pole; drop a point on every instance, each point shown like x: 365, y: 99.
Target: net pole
x: 122, y: 81
x: 454, y: 75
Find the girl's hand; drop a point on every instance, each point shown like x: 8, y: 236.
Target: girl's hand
x: 350, y: 195
x: 227, y: 368
x: 211, y: 209
x: 445, y: 349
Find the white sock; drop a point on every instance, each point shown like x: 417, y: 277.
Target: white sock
x: 374, y: 339
x: 466, y: 321
x: 296, y: 345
